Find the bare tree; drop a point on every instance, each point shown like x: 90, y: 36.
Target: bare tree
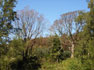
x: 56, y: 28
x: 30, y: 23
x: 29, y: 26
x: 67, y: 25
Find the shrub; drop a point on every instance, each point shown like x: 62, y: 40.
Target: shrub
x: 72, y: 64
x: 68, y: 64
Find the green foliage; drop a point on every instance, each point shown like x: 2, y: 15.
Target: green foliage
x: 3, y: 49
x: 72, y: 64
x: 41, y: 52
x: 3, y: 58
x: 16, y: 48
x: 51, y: 66
x: 30, y: 63
x: 66, y: 54
x: 69, y: 64
x: 56, y: 49
x: 85, y: 47
x: 13, y: 58
x: 57, y: 53
x: 7, y: 15
x: 19, y: 55
x: 10, y: 52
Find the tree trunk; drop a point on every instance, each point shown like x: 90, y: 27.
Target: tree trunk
x: 72, y: 50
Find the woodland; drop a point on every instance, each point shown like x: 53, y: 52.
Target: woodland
x: 69, y: 45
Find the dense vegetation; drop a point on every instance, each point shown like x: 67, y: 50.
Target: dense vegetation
x: 70, y: 46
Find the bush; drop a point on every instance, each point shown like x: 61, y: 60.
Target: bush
x: 67, y: 54
x: 72, y: 64
x: 51, y: 66
x: 31, y: 63
x: 16, y: 47
x: 55, y: 50
x: 41, y: 52
x: 10, y: 52
x: 69, y: 64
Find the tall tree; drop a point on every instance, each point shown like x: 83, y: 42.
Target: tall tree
x: 66, y: 25
x: 7, y: 15
x: 86, y: 43
x: 31, y: 24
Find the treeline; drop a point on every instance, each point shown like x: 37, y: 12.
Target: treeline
x: 68, y: 47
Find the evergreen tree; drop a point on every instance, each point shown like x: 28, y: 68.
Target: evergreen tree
x: 57, y: 51
x: 86, y: 43
x: 7, y: 15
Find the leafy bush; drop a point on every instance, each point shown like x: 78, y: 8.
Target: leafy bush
x: 66, y: 54
x: 41, y: 52
x: 55, y: 50
x: 16, y: 47
x: 51, y: 66
x: 69, y: 64
x: 10, y: 52
x: 29, y: 63
x: 72, y: 64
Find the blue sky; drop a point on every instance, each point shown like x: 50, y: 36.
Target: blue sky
x: 52, y: 9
